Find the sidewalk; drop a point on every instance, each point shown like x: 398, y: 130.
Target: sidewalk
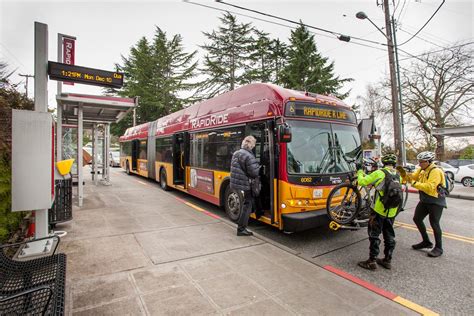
x: 135, y: 249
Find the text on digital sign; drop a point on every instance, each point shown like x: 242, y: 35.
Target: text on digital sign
x: 91, y: 76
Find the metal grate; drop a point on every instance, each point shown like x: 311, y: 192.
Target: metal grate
x: 61, y: 211
x: 32, y: 287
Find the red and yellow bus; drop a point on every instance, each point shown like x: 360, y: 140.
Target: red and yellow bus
x: 303, y: 143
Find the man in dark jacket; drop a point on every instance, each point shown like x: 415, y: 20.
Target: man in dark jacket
x: 244, y: 167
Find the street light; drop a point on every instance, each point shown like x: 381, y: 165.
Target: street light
x: 399, y: 146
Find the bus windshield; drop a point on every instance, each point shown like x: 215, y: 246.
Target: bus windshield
x: 321, y: 148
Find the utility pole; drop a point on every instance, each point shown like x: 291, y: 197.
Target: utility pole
x: 26, y: 84
x: 394, y: 86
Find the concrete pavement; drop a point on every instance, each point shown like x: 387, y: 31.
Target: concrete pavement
x: 135, y: 249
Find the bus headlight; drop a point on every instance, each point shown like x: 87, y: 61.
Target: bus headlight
x: 283, y: 205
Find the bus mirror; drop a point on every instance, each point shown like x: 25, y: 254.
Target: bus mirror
x: 284, y: 133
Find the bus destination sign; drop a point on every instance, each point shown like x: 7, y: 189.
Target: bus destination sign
x: 319, y: 111
x: 72, y: 73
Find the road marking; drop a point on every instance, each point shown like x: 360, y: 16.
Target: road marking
x: 413, y: 306
x: 141, y: 182
x: 200, y: 209
x: 447, y: 235
x: 391, y: 296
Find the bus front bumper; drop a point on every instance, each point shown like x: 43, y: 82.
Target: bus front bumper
x: 296, y: 222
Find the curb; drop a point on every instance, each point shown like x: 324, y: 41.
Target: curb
x: 389, y: 295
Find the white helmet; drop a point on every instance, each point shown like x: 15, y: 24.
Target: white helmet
x: 426, y: 155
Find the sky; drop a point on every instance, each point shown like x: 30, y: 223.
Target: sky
x: 106, y: 30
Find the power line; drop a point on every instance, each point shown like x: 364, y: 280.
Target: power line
x: 423, y: 24
x: 437, y: 51
x: 280, y: 24
x: 299, y: 23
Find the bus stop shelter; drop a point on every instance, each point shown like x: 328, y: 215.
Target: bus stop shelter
x: 84, y: 111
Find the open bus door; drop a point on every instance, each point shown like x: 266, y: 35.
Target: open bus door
x: 135, y: 152
x: 265, y: 155
x: 180, y: 157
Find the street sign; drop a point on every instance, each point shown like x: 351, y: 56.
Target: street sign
x: 72, y: 73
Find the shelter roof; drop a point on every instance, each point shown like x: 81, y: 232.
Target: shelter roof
x: 96, y: 109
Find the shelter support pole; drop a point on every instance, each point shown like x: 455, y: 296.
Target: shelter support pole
x: 41, y: 105
x: 94, y: 159
x: 80, y: 184
x: 96, y: 154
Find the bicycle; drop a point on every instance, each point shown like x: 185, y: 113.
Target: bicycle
x: 354, y: 206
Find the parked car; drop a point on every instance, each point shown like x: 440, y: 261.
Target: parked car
x: 114, y: 157
x: 460, y: 162
x: 449, y: 170
x: 409, y: 167
x: 465, y: 175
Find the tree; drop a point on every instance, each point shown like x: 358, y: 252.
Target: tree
x: 306, y: 69
x: 278, y: 55
x: 468, y: 152
x: 156, y: 72
x: 261, y: 57
x: 10, y: 99
x: 437, y: 91
x: 226, y: 63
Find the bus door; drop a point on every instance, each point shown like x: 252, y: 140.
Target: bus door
x: 262, y: 151
x: 180, y: 157
x: 135, y: 153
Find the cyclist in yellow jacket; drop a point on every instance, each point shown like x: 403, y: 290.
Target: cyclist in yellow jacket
x: 426, y: 179
x: 381, y: 219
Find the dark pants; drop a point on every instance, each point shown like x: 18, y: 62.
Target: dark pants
x: 381, y: 224
x: 434, y: 211
x: 243, y: 220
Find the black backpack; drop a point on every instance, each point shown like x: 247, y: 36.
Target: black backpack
x: 392, y: 191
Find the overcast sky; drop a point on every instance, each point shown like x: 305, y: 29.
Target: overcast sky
x: 105, y: 30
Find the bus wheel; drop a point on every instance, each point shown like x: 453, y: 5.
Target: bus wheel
x: 233, y: 204
x: 163, y: 183
x: 127, y: 167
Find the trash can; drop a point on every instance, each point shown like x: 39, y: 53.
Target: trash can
x: 61, y: 210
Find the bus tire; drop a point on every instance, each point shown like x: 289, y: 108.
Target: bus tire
x: 163, y: 183
x: 127, y: 167
x: 233, y: 204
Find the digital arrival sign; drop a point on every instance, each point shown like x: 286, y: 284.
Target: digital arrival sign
x: 91, y: 76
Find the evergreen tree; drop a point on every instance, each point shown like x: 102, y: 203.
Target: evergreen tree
x: 261, y: 58
x: 278, y: 55
x: 157, y: 73
x: 307, y: 70
x: 226, y: 63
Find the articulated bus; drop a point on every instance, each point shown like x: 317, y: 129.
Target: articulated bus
x: 303, y: 144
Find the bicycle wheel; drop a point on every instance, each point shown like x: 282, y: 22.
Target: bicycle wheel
x: 343, y: 203
x: 405, y: 195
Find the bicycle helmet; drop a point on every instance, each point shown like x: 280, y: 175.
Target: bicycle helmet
x: 426, y: 155
x: 389, y: 159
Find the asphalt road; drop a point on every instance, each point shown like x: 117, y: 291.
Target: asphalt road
x: 444, y: 284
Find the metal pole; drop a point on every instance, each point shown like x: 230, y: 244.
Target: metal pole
x: 393, y: 81
x: 96, y: 154
x: 80, y: 187
x: 402, y: 121
x: 41, y: 105
x: 59, y: 109
x: 107, y: 132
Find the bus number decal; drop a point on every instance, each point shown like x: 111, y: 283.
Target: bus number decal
x: 306, y: 180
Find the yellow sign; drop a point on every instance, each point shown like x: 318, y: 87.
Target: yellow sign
x: 325, y: 113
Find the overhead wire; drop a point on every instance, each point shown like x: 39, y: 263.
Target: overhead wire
x: 298, y: 23
x: 284, y: 25
x: 423, y: 24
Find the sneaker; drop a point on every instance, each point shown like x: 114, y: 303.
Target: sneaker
x: 369, y: 264
x: 421, y: 245
x: 244, y: 233
x: 435, y: 252
x: 384, y: 263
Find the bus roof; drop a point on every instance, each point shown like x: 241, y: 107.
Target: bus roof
x: 251, y: 102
